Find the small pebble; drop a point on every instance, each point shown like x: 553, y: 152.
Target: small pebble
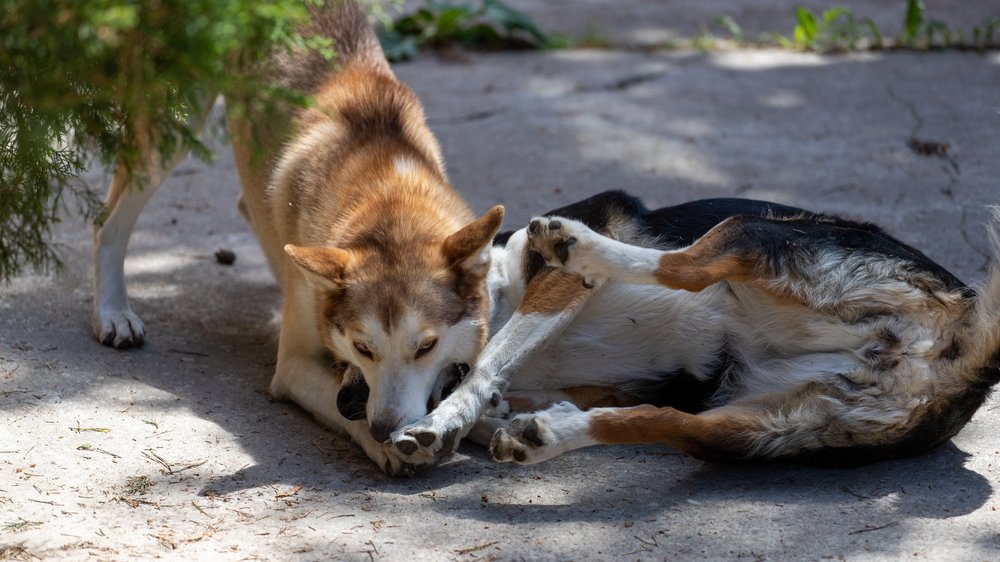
x: 225, y: 257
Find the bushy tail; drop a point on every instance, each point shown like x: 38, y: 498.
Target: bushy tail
x: 345, y: 23
x: 984, y: 330
x: 976, y: 367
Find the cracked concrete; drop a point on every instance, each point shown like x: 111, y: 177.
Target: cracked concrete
x: 249, y: 478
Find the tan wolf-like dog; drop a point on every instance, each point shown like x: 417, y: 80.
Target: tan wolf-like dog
x: 381, y: 263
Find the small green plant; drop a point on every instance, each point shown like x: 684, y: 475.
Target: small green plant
x: 920, y: 31
x: 734, y: 29
x: 836, y: 29
x: 839, y: 29
x: 490, y: 25
x: 704, y: 41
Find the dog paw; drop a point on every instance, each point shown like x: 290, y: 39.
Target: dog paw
x: 118, y: 328
x: 421, y: 444
x: 392, y: 465
x: 568, y: 244
x: 537, y: 437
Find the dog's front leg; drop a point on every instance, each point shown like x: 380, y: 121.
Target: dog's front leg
x: 552, y: 299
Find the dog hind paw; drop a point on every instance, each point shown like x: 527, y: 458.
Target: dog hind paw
x: 527, y: 440
x: 568, y: 244
x: 120, y: 329
x: 537, y: 437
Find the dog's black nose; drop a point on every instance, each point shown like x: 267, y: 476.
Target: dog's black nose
x: 381, y: 431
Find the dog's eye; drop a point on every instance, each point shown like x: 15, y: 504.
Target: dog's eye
x: 363, y: 349
x: 426, y: 347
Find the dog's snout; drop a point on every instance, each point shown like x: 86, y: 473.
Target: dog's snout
x: 381, y: 430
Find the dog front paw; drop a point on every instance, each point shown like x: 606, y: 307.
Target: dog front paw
x: 568, y: 244
x: 422, y: 442
x: 537, y: 437
x: 118, y: 327
x: 393, y: 465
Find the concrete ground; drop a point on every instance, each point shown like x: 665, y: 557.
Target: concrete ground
x: 176, y: 451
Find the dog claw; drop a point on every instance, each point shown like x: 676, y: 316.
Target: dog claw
x: 120, y: 329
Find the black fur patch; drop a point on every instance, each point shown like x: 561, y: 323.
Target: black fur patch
x: 353, y: 398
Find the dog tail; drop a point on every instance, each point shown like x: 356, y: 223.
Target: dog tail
x: 345, y: 23
x: 973, y: 359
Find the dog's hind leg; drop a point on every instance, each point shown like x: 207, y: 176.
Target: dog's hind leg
x: 575, y: 247
x: 113, y: 321
x: 723, y: 434
x: 846, y: 269
x: 816, y: 422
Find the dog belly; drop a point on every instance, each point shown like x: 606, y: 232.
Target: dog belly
x: 655, y: 342
x: 630, y: 333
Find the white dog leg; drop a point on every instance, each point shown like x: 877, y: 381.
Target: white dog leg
x: 113, y: 321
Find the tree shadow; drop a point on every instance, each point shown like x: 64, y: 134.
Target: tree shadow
x: 561, y: 127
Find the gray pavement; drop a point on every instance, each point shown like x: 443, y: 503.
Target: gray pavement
x: 231, y: 475
x: 658, y: 23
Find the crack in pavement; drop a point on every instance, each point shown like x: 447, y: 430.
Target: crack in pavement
x: 919, y: 124
x: 968, y: 239
x: 912, y: 109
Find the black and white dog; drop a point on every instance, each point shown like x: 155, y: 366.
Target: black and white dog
x: 728, y: 328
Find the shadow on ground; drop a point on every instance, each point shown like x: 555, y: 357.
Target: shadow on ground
x: 533, y: 132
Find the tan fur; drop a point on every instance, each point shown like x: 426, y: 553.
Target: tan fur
x: 552, y: 290
x: 351, y: 203
x: 381, y: 263
x: 711, y: 436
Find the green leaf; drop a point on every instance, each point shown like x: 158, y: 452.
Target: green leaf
x: 806, y: 28
x: 730, y: 25
x: 875, y: 33
x: 914, y: 20
x: 834, y: 13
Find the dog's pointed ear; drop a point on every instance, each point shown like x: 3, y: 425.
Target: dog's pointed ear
x: 322, y: 267
x: 469, y: 248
